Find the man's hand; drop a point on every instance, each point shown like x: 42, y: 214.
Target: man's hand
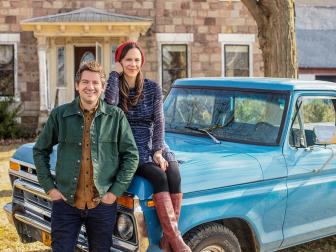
x: 160, y: 161
x: 118, y: 68
x: 54, y: 194
x: 108, y: 198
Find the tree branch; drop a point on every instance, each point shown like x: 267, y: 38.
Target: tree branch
x: 255, y: 10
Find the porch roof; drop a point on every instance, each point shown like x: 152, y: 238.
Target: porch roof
x: 86, y: 22
x: 87, y: 14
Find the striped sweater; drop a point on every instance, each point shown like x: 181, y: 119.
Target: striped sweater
x: 146, y: 118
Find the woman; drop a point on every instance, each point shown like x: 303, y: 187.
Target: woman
x: 141, y: 100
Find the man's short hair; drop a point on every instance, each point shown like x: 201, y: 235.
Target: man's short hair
x: 92, y: 66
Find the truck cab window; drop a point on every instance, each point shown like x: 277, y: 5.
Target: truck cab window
x: 309, y: 113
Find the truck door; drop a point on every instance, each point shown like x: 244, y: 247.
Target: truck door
x: 311, y: 205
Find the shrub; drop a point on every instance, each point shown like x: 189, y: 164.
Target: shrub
x: 9, y: 127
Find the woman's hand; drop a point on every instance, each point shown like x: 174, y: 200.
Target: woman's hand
x: 160, y: 161
x: 118, y: 68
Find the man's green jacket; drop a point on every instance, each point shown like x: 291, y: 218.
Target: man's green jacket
x: 114, y: 153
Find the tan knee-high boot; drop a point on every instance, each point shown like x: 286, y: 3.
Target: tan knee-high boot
x: 176, y: 199
x: 166, y: 214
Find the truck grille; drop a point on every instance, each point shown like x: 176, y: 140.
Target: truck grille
x: 33, y: 207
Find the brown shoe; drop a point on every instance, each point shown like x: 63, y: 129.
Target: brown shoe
x: 166, y: 214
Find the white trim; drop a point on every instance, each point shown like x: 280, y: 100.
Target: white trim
x: 44, y: 94
x: 171, y: 39
x: 308, y: 77
x: 9, y: 37
x: 13, y: 39
x: 237, y: 39
x: 174, y: 37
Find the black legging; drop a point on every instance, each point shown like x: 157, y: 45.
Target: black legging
x: 169, y: 181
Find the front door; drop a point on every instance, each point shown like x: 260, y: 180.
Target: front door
x: 83, y: 54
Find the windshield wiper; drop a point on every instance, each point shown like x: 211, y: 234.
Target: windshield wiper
x: 204, y: 131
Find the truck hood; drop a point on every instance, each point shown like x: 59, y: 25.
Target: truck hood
x: 25, y: 154
x: 203, y: 164
x: 206, y: 165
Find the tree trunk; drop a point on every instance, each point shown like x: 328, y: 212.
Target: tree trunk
x: 276, y: 33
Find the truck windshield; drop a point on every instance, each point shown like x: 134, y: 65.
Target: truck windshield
x: 230, y: 115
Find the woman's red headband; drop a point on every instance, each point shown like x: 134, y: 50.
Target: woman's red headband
x: 121, y: 47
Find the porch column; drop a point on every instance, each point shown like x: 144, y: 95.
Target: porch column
x: 107, y: 50
x: 69, y: 69
x: 44, y: 92
x: 42, y: 57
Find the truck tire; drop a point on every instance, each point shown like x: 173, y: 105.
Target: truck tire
x: 212, y: 237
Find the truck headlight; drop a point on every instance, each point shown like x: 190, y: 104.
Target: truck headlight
x: 125, y: 226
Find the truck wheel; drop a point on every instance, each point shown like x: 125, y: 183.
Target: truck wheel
x: 212, y: 237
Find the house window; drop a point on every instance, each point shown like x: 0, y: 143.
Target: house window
x: 7, y: 70
x: 87, y: 56
x: 236, y: 60
x: 174, y: 63
x: 173, y: 57
x: 237, y: 54
x: 60, y: 67
x: 113, y: 50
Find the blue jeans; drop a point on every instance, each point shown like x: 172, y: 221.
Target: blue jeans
x: 67, y: 220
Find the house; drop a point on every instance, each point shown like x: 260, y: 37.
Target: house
x: 43, y: 42
x: 316, y: 40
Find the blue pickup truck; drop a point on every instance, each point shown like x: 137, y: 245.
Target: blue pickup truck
x: 257, y: 159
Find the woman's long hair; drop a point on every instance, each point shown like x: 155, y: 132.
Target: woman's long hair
x: 125, y: 101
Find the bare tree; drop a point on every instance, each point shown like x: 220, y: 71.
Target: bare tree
x: 276, y: 33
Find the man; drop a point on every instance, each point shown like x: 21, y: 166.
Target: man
x: 96, y: 160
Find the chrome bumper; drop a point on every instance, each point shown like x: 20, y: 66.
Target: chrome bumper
x: 9, y: 212
x: 26, y: 218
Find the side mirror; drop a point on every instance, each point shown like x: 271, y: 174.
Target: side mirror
x: 325, y: 135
